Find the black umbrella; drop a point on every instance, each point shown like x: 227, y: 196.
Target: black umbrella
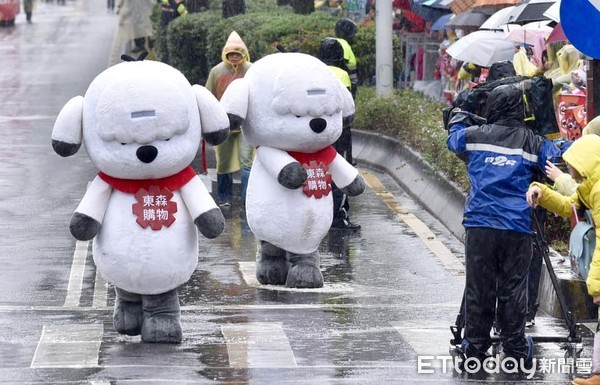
x: 472, y: 18
x: 533, y: 10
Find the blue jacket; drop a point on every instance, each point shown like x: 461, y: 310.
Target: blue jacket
x: 501, y: 161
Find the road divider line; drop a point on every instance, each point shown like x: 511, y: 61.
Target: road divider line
x: 444, y: 255
x: 258, y: 345
x: 68, y: 346
x: 77, y: 272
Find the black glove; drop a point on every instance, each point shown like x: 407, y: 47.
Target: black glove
x: 466, y: 118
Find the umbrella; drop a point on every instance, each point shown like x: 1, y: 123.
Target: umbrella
x: 439, y: 4
x: 498, y: 19
x: 460, y: 6
x: 483, y: 48
x: 527, y: 36
x: 557, y: 34
x: 428, y: 13
x: 440, y: 23
x: 468, y: 19
x: 553, y: 12
x: 533, y: 10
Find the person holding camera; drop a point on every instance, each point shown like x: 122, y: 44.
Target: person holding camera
x: 502, y: 154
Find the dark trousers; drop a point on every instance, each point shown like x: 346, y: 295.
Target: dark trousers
x: 340, y: 201
x: 497, y: 268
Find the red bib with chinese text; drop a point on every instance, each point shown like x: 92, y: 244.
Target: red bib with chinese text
x: 153, y: 206
x: 318, y: 183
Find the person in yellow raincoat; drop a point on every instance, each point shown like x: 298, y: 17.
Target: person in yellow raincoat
x: 235, y: 153
x: 583, y: 160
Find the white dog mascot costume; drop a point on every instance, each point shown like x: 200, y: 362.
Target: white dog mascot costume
x: 141, y: 123
x: 291, y: 107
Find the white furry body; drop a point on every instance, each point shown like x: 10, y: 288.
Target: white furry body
x: 141, y: 260
x: 284, y: 217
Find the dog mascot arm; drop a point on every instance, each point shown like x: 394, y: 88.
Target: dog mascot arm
x: 346, y: 176
x: 289, y: 173
x: 208, y: 218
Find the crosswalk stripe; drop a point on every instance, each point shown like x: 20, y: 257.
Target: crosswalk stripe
x: 77, y: 272
x: 258, y: 345
x: 68, y: 346
x: 248, y: 270
x: 426, y: 338
x: 100, y: 292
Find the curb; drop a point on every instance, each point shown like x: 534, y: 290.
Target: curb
x: 445, y: 201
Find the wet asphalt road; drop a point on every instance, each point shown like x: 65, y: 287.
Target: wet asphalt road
x: 391, y: 290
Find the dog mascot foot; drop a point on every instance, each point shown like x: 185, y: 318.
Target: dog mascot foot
x: 127, y: 316
x: 304, y: 271
x: 162, y: 318
x: 271, y: 265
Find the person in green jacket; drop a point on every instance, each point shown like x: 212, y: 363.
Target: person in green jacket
x: 331, y: 53
x: 345, y: 30
x: 235, y: 153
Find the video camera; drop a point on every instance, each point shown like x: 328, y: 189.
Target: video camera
x: 539, y: 114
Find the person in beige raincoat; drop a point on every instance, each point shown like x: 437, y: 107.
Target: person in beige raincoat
x: 235, y: 153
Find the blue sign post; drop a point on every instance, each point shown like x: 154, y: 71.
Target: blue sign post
x: 580, y: 20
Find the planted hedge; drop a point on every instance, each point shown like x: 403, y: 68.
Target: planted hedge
x: 193, y: 43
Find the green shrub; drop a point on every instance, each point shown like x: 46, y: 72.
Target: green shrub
x: 193, y: 44
x: 415, y: 121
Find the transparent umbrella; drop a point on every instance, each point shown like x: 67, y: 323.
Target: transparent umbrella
x: 498, y: 19
x: 482, y: 48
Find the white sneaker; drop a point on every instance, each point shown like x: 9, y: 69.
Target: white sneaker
x: 530, y: 323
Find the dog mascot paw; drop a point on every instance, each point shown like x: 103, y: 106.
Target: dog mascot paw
x: 141, y: 123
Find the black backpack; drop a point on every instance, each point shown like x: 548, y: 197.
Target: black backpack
x: 539, y: 110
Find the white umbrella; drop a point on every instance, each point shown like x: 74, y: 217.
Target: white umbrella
x: 483, y: 48
x: 553, y: 12
x: 498, y: 19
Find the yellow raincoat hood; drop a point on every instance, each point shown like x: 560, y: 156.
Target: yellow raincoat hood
x: 584, y: 157
x: 235, y: 43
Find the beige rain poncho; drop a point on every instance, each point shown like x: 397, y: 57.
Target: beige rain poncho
x: 235, y: 152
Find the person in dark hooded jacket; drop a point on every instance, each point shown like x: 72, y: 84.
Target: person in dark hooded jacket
x: 502, y: 156
x: 331, y: 52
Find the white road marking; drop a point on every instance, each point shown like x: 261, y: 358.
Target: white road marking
x: 425, y: 337
x: 68, y: 346
x: 445, y: 256
x: 100, y: 292
x: 77, y: 272
x: 248, y: 270
x: 220, y: 308
x: 258, y: 345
